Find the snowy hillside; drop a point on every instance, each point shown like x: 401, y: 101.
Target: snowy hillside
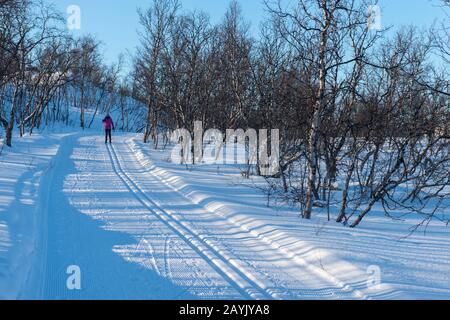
x: 139, y: 226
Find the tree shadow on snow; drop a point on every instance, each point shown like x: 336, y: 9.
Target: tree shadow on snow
x: 85, y: 243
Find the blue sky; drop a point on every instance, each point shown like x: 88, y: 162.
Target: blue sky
x: 115, y: 22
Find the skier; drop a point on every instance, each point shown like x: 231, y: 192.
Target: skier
x: 108, y: 125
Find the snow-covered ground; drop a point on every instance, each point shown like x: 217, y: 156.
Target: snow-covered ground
x: 139, y: 226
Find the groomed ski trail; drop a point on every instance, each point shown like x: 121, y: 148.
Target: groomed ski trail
x: 134, y: 236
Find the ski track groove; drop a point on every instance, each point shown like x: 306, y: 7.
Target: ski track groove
x: 228, y: 269
x: 249, y: 279
x: 314, y: 271
x: 237, y: 263
x: 198, y: 278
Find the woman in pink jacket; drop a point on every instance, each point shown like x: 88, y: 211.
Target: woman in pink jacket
x: 108, y: 125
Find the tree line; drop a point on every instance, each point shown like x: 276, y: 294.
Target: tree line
x: 45, y: 73
x: 366, y: 108
x: 363, y: 114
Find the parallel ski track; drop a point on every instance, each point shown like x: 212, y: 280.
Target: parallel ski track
x: 315, y: 272
x: 238, y: 278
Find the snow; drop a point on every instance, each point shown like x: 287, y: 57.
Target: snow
x: 141, y: 227
x: 20, y: 218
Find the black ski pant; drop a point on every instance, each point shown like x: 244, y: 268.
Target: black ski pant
x: 108, y: 134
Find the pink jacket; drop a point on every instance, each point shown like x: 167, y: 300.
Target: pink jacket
x: 108, y: 123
